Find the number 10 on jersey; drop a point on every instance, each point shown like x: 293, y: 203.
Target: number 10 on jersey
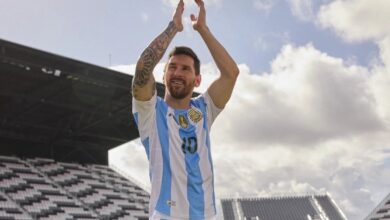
x: 189, y: 145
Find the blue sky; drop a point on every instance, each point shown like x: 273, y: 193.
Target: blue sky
x: 93, y: 30
x: 310, y: 111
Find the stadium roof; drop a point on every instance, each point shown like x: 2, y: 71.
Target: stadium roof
x: 309, y: 207
x: 55, y: 107
x: 382, y: 211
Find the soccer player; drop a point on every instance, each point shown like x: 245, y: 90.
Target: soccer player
x: 175, y: 130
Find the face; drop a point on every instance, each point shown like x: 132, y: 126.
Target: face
x: 180, y: 78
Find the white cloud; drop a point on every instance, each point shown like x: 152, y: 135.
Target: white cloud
x: 309, y: 125
x: 360, y: 20
x: 144, y: 17
x: 131, y: 156
x: 302, y: 9
x: 381, y: 80
x: 295, y: 104
x: 188, y: 30
x: 357, y: 20
x: 261, y: 44
x: 263, y: 5
x: 271, y: 41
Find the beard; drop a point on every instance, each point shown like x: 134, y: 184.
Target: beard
x: 180, y: 91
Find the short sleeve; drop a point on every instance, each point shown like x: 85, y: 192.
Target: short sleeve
x: 144, y: 113
x: 212, y: 110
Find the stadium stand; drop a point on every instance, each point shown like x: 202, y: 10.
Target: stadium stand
x: 44, y: 189
x: 61, y: 108
x: 227, y: 209
x: 310, y: 207
x: 382, y: 211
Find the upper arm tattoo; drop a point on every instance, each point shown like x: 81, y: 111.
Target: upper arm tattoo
x: 151, y: 56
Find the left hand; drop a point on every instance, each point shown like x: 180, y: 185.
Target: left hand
x: 199, y: 22
x: 177, y: 20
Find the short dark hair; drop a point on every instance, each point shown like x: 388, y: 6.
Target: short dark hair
x: 182, y: 50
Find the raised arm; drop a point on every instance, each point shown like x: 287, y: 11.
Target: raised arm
x: 144, y: 85
x: 221, y: 89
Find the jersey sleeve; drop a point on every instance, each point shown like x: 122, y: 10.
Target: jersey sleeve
x: 212, y: 110
x: 144, y: 114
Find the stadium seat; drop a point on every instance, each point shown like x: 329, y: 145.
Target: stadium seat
x: 40, y: 188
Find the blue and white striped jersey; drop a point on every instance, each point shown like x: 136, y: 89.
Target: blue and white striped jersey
x: 177, y: 144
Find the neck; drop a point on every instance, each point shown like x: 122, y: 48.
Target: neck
x: 178, y: 103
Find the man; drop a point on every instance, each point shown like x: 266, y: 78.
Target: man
x: 175, y: 130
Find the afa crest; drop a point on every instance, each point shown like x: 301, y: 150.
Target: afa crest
x: 195, y: 115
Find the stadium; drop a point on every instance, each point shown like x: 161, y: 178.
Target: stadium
x: 59, y: 118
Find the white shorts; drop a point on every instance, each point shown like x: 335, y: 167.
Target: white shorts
x: 159, y: 216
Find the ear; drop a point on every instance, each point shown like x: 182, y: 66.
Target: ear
x: 198, y: 79
x: 163, y: 78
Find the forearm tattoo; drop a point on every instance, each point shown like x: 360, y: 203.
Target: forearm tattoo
x: 151, y: 56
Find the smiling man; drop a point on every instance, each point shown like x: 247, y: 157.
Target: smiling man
x: 175, y: 130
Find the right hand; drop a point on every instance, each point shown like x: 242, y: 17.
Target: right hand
x: 199, y: 23
x: 177, y: 16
